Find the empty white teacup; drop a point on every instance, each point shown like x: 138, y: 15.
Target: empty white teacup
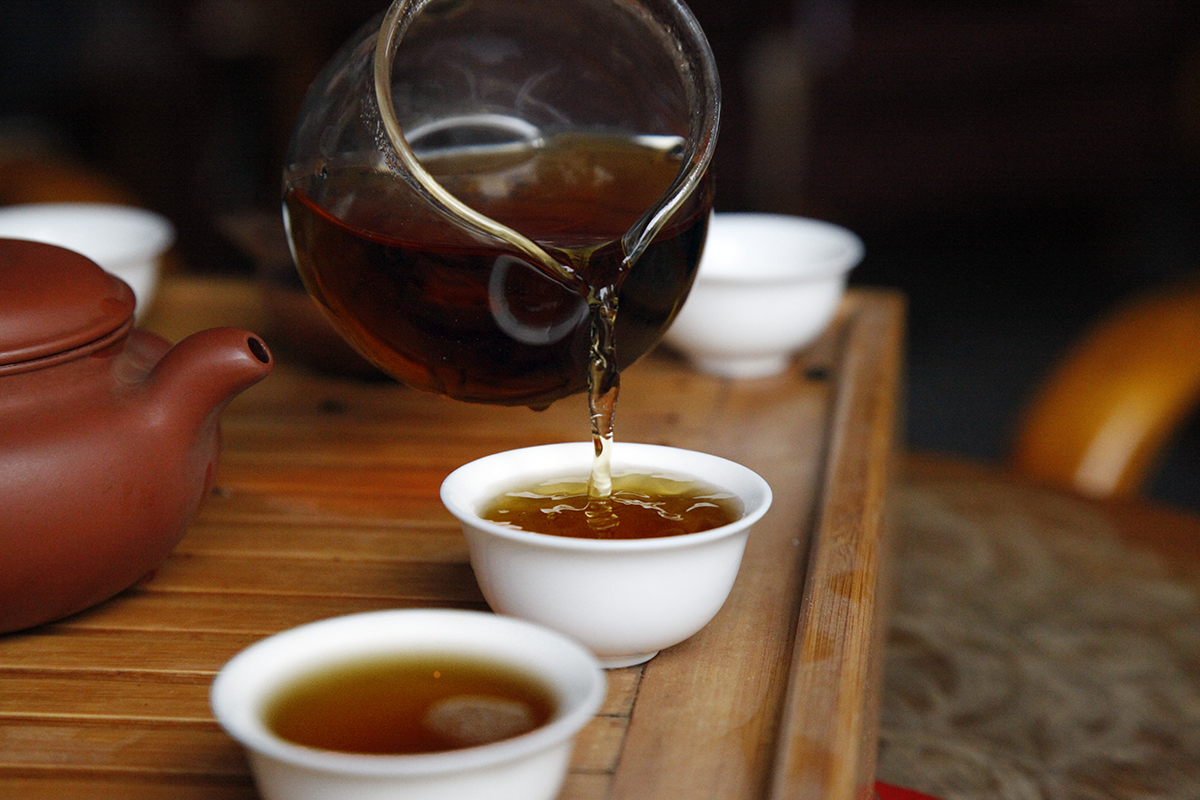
x: 124, y: 240
x: 767, y: 286
x: 625, y: 599
x: 527, y: 766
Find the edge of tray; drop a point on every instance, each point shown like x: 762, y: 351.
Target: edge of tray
x: 827, y: 739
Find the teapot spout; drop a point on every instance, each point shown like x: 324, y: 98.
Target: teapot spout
x: 198, y: 377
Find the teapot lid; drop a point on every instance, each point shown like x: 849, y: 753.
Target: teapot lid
x: 53, y: 300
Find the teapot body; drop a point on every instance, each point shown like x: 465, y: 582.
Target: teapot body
x: 96, y: 484
x: 109, y: 436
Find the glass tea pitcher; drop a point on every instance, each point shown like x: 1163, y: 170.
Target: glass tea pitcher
x: 500, y: 200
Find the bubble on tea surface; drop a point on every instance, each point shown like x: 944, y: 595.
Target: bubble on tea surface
x: 470, y: 720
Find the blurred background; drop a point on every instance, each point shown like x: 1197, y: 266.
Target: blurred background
x: 1017, y: 167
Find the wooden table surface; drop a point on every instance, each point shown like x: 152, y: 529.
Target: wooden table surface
x: 326, y: 503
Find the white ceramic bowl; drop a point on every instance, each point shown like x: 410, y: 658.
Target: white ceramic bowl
x: 624, y: 599
x: 126, y: 241
x: 530, y: 766
x: 767, y: 286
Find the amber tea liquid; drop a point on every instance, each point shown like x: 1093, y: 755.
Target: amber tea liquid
x: 405, y: 704
x: 448, y: 311
x: 639, y: 507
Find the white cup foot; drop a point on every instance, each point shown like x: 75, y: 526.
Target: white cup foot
x: 616, y: 662
x: 756, y: 367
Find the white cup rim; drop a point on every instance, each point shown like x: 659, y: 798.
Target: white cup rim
x: 464, y: 488
x: 241, y: 689
x: 113, y: 235
x: 762, y: 248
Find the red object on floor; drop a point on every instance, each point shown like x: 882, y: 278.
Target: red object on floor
x: 885, y: 791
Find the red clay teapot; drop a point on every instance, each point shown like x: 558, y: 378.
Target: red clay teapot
x: 108, y: 435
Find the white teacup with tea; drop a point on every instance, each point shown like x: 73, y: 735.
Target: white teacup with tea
x: 425, y: 704
x: 624, y: 598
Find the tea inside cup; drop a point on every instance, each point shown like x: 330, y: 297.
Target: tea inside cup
x: 418, y: 703
x: 625, y: 599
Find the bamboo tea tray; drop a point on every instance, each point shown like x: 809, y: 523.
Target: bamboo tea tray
x: 327, y: 503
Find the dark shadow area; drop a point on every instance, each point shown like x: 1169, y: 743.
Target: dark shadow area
x: 997, y: 298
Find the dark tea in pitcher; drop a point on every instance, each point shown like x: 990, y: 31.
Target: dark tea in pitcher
x: 449, y: 311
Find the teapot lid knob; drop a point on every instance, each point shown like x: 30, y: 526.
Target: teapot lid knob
x: 53, y: 300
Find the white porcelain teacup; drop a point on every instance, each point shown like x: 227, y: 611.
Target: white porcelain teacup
x: 625, y: 599
x: 767, y: 286
x: 528, y: 766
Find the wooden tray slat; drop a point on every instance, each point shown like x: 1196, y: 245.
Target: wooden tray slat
x: 123, y: 650
x: 436, y: 542
x: 57, y: 784
x: 305, y: 577
x: 205, y: 612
